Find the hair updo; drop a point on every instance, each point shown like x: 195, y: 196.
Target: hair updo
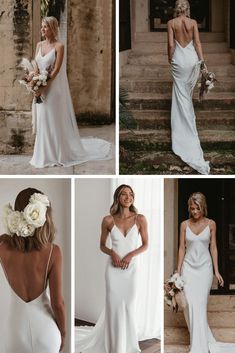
x: 182, y: 6
x: 52, y: 23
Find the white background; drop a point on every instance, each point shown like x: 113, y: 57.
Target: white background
x: 58, y: 191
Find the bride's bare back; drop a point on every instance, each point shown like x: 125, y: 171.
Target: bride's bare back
x: 183, y: 30
x: 27, y: 272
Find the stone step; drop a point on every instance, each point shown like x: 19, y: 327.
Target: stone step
x: 150, y: 101
x: 168, y: 348
x: 162, y: 59
x: 160, y: 140
x: 215, y: 318
x: 160, y: 119
x: 138, y: 85
x: 166, y: 163
x: 155, y: 47
x: 163, y: 71
x: 180, y: 335
x: 161, y: 37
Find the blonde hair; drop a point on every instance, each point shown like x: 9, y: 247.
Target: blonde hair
x: 182, y: 6
x: 42, y: 235
x: 200, y: 200
x: 116, y: 207
x: 52, y: 23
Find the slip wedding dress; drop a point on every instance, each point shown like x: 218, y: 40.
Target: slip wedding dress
x: 197, y: 272
x: 57, y: 140
x: 185, y: 140
x: 115, y: 331
x: 26, y: 327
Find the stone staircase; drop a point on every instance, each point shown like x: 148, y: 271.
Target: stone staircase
x: 147, y: 78
x: 221, y: 318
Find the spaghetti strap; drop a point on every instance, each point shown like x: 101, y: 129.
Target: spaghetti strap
x: 48, y: 262
x: 136, y: 216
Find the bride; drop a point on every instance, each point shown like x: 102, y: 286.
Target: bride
x: 57, y: 140
x: 186, y: 57
x: 197, y: 234
x: 31, y: 302
x: 115, y: 331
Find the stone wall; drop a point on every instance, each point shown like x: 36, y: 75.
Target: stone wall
x: 16, y: 42
x: 90, y: 58
x: 89, y: 62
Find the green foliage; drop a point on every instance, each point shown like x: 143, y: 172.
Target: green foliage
x: 17, y: 139
x: 52, y: 8
x: 125, y: 116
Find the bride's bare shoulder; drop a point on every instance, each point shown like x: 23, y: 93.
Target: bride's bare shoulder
x: 59, y: 45
x: 184, y: 224
x: 170, y: 22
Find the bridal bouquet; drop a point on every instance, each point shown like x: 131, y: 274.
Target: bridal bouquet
x: 33, y: 77
x: 173, y: 292
x: 206, y: 83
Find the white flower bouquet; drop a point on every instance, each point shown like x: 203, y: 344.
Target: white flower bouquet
x: 34, y: 78
x: 206, y: 82
x: 173, y: 292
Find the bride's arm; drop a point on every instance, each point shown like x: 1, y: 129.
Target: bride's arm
x: 55, y: 71
x: 105, y: 229
x: 214, y: 252
x: 55, y: 285
x: 197, y: 42
x: 143, y: 230
x: 170, y: 41
x: 181, y: 252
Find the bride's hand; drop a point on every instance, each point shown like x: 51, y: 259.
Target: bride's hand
x: 39, y: 92
x: 126, y: 261
x: 220, y: 279
x: 116, y: 260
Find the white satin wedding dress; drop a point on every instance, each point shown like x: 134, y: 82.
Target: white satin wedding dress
x: 115, y: 331
x: 185, y: 140
x: 26, y: 327
x: 197, y: 272
x: 57, y: 140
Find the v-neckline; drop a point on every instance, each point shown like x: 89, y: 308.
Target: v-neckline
x: 14, y: 292
x: 128, y: 231
x: 197, y: 235
x: 43, y: 56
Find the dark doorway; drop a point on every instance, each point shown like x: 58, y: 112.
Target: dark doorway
x: 220, y: 194
x: 161, y: 11
x: 124, y: 25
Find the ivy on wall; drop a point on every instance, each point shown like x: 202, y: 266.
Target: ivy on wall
x: 52, y: 8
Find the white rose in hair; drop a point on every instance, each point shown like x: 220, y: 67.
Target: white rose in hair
x: 37, y: 197
x: 35, y: 214
x: 13, y: 221
x: 25, y: 229
x: 7, y: 209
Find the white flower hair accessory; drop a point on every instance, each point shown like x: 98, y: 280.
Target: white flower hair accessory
x: 24, y: 223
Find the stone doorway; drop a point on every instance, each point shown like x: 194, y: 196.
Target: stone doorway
x: 221, y: 202
x: 161, y: 12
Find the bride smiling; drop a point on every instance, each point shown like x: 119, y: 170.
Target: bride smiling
x: 57, y: 140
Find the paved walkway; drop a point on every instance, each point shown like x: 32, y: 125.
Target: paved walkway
x: 19, y: 164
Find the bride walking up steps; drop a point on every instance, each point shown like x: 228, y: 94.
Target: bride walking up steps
x: 185, y: 56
